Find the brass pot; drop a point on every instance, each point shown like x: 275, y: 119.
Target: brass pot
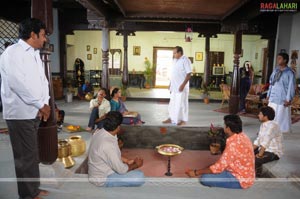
x: 89, y: 96
x: 78, y: 145
x: 64, y: 153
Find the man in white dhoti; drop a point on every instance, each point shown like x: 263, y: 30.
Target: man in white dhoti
x: 282, y: 92
x: 179, y: 88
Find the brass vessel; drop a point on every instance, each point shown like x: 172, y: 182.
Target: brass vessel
x: 64, y: 153
x: 78, y: 145
x: 165, y: 153
x: 89, y: 96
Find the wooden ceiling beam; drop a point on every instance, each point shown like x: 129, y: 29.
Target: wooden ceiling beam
x: 120, y: 7
x: 98, y: 7
x: 235, y: 8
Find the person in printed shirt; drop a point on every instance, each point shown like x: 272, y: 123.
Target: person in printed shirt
x: 268, y: 144
x: 235, y: 168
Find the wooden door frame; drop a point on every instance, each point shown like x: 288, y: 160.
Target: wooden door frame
x: 155, y: 49
x: 264, y: 69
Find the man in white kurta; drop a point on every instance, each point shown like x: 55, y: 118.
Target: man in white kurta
x: 282, y: 92
x: 179, y: 88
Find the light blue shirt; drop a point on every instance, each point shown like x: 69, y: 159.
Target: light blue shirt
x: 24, y: 88
x: 284, y: 88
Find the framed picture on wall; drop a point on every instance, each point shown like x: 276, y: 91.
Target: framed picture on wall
x: 88, y: 48
x: 89, y: 57
x: 95, y: 50
x: 199, y: 56
x: 136, y: 50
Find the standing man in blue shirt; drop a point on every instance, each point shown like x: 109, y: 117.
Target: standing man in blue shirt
x: 282, y: 92
x: 25, y: 97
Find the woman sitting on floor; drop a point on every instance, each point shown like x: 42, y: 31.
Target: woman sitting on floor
x: 117, y: 104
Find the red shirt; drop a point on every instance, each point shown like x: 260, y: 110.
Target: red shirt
x: 238, y: 158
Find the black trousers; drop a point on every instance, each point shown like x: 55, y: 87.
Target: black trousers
x: 268, y: 157
x: 245, y: 85
x: 23, y: 136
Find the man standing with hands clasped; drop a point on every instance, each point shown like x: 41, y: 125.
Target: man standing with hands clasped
x: 281, y: 92
x: 179, y: 88
x: 25, y: 96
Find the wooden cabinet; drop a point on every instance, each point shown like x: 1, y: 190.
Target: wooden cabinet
x: 57, y: 87
x: 95, y: 78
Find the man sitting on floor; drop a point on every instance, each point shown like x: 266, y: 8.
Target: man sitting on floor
x: 268, y: 144
x: 235, y: 168
x: 99, y: 107
x: 106, y: 165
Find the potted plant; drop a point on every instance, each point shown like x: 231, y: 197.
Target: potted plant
x: 215, y: 135
x: 148, y: 73
x: 205, y: 94
x: 123, y: 93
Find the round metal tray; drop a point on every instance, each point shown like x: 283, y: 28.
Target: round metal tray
x: 165, y: 153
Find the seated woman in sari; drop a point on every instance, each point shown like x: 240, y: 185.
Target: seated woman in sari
x: 117, y: 104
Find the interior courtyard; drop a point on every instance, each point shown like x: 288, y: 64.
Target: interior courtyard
x: 129, y: 45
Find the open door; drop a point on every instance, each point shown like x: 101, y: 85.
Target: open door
x: 163, y: 60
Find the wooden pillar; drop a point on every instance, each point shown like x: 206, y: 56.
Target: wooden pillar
x: 207, y: 60
x: 270, y: 65
x: 125, y: 76
x: 105, y: 57
x: 235, y: 87
x: 47, y: 133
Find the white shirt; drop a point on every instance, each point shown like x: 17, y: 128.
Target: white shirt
x: 181, y: 67
x: 104, y: 157
x: 270, y: 137
x: 24, y: 88
x: 103, y: 108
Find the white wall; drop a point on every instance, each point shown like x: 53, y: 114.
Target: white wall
x: 147, y: 40
x: 288, y: 32
x: 54, y: 39
x: 76, y: 48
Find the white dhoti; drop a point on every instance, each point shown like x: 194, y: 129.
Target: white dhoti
x: 179, y: 106
x: 282, y: 117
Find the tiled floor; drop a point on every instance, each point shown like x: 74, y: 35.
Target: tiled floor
x: 153, y: 113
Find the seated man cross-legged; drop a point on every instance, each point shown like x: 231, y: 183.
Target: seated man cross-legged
x: 268, y: 144
x: 99, y: 108
x: 235, y: 168
x: 106, y: 166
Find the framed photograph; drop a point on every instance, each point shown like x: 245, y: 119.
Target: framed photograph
x: 51, y: 47
x: 89, y: 57
x: 88, y: 48
x: 191, y: 59
x: 136, y: 50
x: 199, y: 56
x: 95, y: 51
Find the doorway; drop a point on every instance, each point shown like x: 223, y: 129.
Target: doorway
x: 163, y: 60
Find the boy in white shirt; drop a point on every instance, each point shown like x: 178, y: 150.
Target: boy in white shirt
x: 268, y: 144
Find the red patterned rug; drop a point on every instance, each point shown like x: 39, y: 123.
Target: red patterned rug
x: 295, y: 117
